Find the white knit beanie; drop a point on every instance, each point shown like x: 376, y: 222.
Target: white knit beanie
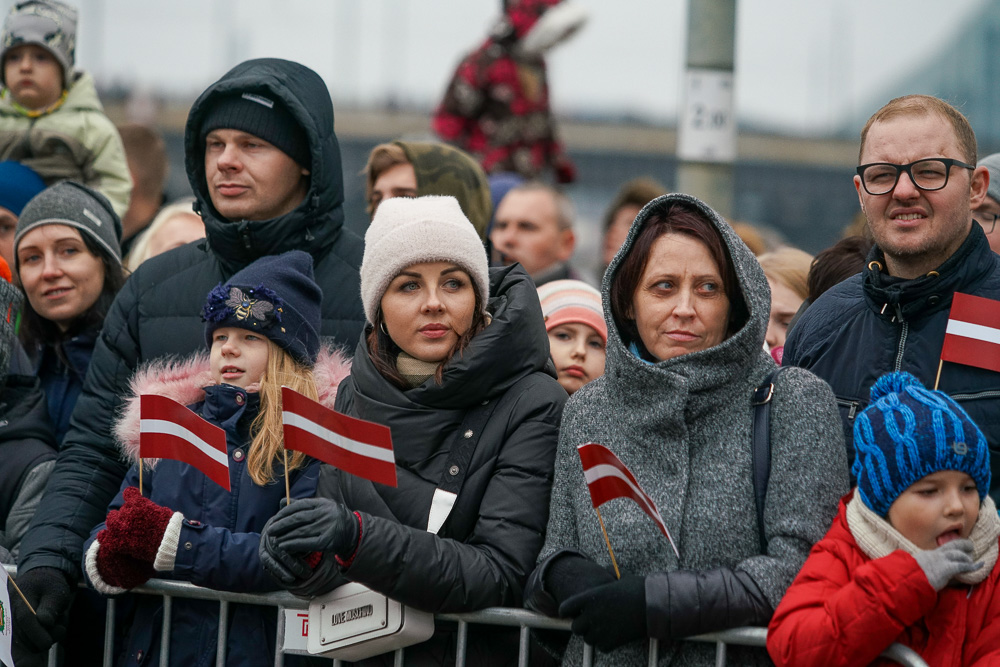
x: 407, y: 231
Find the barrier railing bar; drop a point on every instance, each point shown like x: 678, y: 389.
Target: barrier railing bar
x: 165, y: 631
x: 109, y: 633
x: 720, y: 654
x: 654, y: 652
x: 221, y: 639
x: 522, y: 647
x: 521, y: 618
x: 279, y: 638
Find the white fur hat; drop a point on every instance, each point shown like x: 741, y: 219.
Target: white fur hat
x: 407, y: 231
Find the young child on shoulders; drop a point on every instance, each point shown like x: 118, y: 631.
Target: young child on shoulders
x: 50, y: 116
x: 911, y: 557
x: 262, y: 329
x: 577, y: 332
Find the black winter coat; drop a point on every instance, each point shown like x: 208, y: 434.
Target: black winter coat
x: 872, y: 324
x: 487, y: 547
x: 157, y: 312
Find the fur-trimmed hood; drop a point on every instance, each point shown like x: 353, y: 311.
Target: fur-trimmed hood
x: 184, y: 381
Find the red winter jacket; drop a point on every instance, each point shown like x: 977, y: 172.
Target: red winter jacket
x: 845, y: 609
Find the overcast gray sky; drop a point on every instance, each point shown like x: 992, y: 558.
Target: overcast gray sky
x: 801, y: 64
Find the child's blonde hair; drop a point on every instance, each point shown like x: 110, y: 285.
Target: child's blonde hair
x: 268, y: 439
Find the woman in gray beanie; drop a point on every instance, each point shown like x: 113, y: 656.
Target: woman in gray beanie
x: 455, y: 362
x: 68, y: 261
x: 687, y: 307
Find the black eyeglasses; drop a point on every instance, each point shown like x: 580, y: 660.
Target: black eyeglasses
x: 880, y: 178
x: 991, y: 225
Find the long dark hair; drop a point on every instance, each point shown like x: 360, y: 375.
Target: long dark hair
x: 383, y: 350
x: 676, y: 218
x: 36, y: 330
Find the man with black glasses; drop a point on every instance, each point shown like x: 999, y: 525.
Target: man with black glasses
x: 988, y: 212
x: 918, y: 186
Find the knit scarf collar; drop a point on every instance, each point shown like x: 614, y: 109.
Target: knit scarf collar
x: 413, y: 370
x: 36, y: 113
x: 877, y: 538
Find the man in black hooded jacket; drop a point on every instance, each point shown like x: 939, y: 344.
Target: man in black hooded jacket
x: 265, y: 167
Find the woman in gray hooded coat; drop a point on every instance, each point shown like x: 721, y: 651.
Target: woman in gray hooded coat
x: 687, y: 307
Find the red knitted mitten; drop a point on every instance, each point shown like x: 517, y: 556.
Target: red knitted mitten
x: 137, y: 528
x: 119, y: 569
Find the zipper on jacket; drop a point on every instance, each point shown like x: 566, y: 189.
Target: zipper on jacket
x: 245, y: 235
x: 852, y: 407
x: 901, y: 346
x: 989, y: 393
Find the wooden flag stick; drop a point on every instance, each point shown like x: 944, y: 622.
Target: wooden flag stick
x: 140, y: 475
x: 608, y: 542
x: 288, y: 493
x: 18, y: 589
x: 938, y: 378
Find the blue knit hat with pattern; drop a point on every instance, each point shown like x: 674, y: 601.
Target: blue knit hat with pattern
x: 275, y: 295
x: 908, y: 432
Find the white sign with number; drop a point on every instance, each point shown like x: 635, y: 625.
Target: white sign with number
x: 707, y: 131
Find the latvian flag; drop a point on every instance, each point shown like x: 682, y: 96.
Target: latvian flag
x: 356, y: 446
x: 168, y: 430
x: 973, y: 334
x: 608, y: 478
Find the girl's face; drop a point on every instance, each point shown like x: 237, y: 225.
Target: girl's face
x: 427, y: 308
x: 61, y: 277
x: 936, y: 509
x: 238, y: 356
x: 578, y: 353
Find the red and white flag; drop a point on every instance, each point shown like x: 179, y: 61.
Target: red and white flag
x: 353, y: 445
x: 608, y: 478
x: 168, y: 430
x: 973, y: 334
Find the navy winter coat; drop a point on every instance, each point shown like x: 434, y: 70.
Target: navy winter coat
x: 156, y: 314
x: 217, y: 546
x: 61, y: 374
x: 872, y: 324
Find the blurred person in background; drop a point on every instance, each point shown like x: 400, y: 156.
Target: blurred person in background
x: 832, y: 266
x: 146, y: 154
x: 986, y: 214
x: 496, y: 106
x: 18, y: 184
x: 419, y: 168
x: 175, y: 225
x: 534, y: 227
x: 751, y: 236
x: 787, y: 271
x: 624, y: 208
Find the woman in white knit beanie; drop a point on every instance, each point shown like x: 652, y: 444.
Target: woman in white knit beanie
x: 455, y: 361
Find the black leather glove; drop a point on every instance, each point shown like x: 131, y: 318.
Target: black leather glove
x: 611, y: 615
x: 315, y: 524
x: 50, y: 594
x: 287, y: 569
x: 571, y: 574
x: 323, y: 579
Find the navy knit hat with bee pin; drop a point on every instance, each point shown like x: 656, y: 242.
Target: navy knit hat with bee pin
x: 275, y: 295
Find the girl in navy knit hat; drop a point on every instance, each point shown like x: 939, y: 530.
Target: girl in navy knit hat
x: 262, y: 330
x: 911, y: 557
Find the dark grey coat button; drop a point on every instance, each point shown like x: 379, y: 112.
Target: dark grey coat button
x: 453, y: 471
x: 188, y: 546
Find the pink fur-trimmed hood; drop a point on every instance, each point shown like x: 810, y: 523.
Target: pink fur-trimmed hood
x: 184, y: 380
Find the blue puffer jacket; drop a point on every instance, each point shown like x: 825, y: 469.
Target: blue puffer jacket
x: 872, y: 324
x: 62, y: 375
x: 217, y: 546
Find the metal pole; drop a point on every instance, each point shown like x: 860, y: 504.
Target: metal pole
x: 706, y: 145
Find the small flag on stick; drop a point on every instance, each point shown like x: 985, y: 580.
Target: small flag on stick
x: 973, y: 334
x: 6, y: 621
x: 168, y: 430
x: 608, y: 478
x: 353, y: 445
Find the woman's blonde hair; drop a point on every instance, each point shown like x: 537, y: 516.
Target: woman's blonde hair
x: 268, y: 439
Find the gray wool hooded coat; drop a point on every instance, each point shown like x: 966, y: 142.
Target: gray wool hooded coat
x: 683, y: 427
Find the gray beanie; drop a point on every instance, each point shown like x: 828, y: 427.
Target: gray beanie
x: 49, y: 24
x: 69, y: 203
x: 408, y: 231
x: 992, y: 164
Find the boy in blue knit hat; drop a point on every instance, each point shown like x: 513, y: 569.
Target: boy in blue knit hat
x: 911, y: 557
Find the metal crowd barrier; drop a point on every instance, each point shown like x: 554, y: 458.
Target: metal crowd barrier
x: 496, y: 616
